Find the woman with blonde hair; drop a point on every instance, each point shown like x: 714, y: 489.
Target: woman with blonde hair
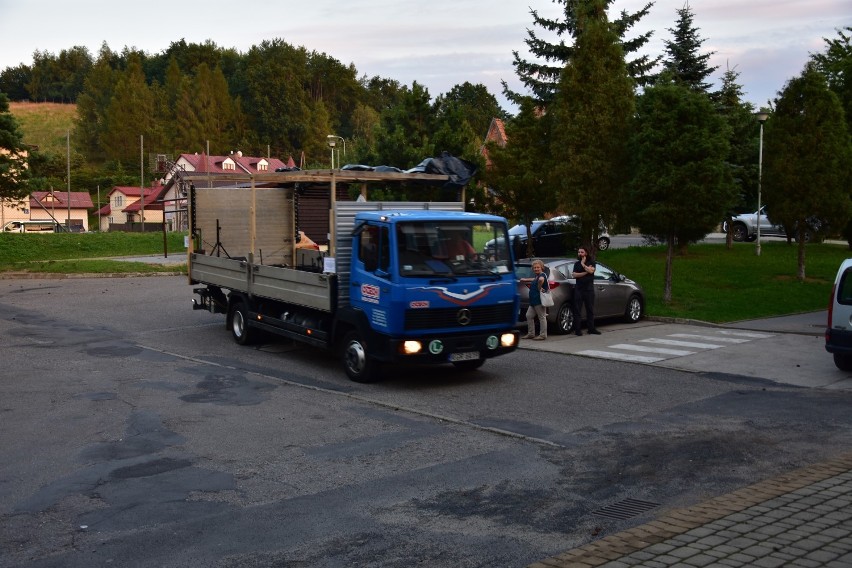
x: 536, y: 284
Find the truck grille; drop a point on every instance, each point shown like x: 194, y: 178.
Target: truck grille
x: 449, y: 317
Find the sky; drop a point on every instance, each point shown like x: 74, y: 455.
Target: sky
x: 439, y: 44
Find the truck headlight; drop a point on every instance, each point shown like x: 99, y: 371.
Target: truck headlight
x: 507, y: 339
x: 411, y: 347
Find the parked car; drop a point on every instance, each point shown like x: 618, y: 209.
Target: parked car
x: 744, y: 227
x: 838, y: 331
x: 615, y: 294
x: 559, y: 236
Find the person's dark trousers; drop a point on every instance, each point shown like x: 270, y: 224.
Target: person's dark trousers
x: 584, y: 298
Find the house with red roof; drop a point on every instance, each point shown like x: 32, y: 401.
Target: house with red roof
x: 174, y: 194
x: 68, y: 209
x: 126, y: 211
x: 497, y: 135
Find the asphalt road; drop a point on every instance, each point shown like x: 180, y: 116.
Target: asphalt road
x: 135, y: 433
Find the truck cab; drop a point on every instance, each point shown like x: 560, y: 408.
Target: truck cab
x: 423, y: 292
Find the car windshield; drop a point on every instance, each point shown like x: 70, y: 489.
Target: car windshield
x: 451, y: 248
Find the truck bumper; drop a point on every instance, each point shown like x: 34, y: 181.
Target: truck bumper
x: 440, y: 349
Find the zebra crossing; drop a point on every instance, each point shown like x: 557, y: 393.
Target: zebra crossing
x: 655, y: 349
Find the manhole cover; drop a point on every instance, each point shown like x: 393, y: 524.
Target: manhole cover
x: 625, y: 509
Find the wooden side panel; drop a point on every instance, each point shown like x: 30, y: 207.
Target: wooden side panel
x: 231, y: 207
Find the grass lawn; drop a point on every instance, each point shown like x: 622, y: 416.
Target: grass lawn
x: 84, y: 252
x: 710, y: 283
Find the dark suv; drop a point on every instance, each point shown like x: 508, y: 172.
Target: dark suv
x: 559, y: 236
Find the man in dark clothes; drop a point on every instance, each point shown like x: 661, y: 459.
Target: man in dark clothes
x: 584, y: 291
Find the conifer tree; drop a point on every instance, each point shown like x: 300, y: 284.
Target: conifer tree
x: 590, y: 124
x: 680, y: 180
x: 541, y: 76
x: 683, y: 59
x: 13, y: 165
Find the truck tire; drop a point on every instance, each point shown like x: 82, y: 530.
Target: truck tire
x: 359, y: 366
x: 238, y: 320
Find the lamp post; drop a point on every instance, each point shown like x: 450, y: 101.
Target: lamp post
x: 332, y: 139
x: 761, y: 118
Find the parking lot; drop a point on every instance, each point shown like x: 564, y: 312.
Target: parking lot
x: 135, y: 432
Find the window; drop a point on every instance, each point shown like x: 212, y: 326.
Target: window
x: 602, y: 272
x: 119, y: 200
x: 373, y: 248
x: 263, y: 166
x: 844, y: 290
x: 229, y: 164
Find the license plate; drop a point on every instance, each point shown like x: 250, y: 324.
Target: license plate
x: 467, y: 356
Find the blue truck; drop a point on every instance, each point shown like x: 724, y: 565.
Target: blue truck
x: 399, y: 283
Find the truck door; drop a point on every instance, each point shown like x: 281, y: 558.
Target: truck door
x: 370, y: 277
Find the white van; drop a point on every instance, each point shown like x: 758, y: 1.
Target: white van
x: 44, y: 226
x: 838, y: 333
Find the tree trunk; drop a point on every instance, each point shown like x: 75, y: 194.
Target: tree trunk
x: 729, y: 234
x: 667, y: 287
x: 801, y: 231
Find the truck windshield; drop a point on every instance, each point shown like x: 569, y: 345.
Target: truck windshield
x: 451, y: 248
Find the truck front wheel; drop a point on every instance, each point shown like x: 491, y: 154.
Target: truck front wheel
x: 360, y: 367
x: 238, y: 318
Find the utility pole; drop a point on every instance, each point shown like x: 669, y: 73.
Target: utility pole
x: 68, y: 162
x: 142, y: 177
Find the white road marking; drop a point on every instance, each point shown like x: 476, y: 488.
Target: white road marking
x: 660, y: 350
x: 681, y: 343
x: 709, y: 338
x: 620, y: 356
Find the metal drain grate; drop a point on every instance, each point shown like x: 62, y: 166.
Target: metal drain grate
x: 625, y: 509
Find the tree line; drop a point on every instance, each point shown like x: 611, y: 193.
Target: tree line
x: 276, y: 99
x: 601, y: 131
x: 644, y: 142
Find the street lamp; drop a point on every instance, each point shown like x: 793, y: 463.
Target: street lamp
x: 331, y: 140
x: 761, y: 118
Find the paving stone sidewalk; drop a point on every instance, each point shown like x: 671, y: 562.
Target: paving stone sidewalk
x: 801, y: 519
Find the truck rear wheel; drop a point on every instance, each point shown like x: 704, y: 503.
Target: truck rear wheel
x: 359, y: 366
x: 238, y: 318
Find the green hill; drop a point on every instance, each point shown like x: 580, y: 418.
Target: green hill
x: 45, y: 124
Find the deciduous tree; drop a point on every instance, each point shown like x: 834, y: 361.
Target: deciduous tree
x: 516, y: 180
x: 807, y: 158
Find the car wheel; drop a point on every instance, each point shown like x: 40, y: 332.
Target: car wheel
x: 740, y: 232
x: 358, y: 365
x: 843, y: 361
x: 564, y: 319
x: 603, y: 243
x: 467, y: 366
x: 633, y: 311
x: 238, y: 320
